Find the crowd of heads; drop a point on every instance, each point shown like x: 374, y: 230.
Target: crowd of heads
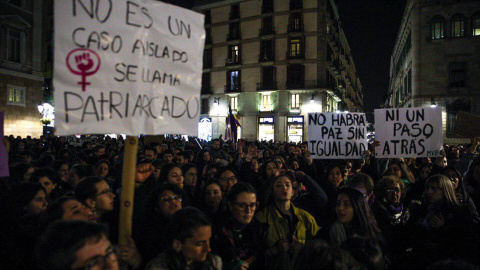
x: 243, y: 205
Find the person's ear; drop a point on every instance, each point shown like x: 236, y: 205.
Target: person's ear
x: 177, y: 245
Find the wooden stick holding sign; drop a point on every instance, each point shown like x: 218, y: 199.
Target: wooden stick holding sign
x: 128, y: 189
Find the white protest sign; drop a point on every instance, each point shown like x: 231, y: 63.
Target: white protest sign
x: 129, y: 67
x: 408, y: 132
x: 337, y: 135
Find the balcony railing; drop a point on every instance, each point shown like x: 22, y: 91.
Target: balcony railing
x: 295, y: 28
x: 266, y: 57
x: 265, y: 31
x: 233, y: 36
x: 267, y: 86
x: 307, y: 84
x: 300, y: 55
x: 232, y: 62
x: 232, y: 88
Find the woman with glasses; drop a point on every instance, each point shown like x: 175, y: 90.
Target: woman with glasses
x: 162, y: 203
x: 288, y: 226
x: 392, y: 214
x: 238, y: 238
x: 227, y: 177
x: 96, y: 194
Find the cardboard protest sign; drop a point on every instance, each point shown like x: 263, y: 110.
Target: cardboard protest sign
x: 408, y: 132
x: 4, y: 171
x: 337, y: 135
x: 129, y: 67
x: 467, y: 125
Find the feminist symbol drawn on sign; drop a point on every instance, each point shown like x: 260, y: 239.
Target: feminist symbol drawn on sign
x: 83, y: 62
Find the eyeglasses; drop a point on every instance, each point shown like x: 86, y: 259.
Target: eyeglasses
x: 109, y: 192
x: 100, y: 261
x: 232, y: 179
x: 394, y: 190
x: 167, y: 199
x: 243, y: 206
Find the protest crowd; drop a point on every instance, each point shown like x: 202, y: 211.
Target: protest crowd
x: 244, y: 205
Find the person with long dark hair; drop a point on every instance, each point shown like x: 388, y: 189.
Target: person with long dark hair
x: 353, y: 218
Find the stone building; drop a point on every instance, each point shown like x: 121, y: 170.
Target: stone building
x: 273, y: 62
x: 22, y: 52
x: 436, y: 59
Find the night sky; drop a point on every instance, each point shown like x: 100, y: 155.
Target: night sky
x: 371, y: 27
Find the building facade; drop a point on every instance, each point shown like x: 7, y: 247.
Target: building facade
x: 22, y: 50
x: 273, y: 62
x: 436, y: 60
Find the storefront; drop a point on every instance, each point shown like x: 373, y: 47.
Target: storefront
x: 205, y: 129
x: 266, y: 128
x: 295, y: 128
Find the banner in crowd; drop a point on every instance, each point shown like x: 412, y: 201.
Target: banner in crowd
x: 130, y: 67
x: 337, y: 135
x: 408, y: 132
x: 4, y: 172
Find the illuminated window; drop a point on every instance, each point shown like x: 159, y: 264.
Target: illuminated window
x: 457, y: 25
x: 266, y: 102
x: 437, y: 27
x: 296, y: 47
x: 16, y: 95
x: 295, y: 101
x: 234, y: 103
x: 476, y: 24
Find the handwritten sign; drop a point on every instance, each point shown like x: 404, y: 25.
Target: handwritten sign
x: 337, y: 135
x: 131, y: 67
x: 408, y: 132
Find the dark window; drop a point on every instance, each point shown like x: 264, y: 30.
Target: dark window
x: 452, y: 110
x: 233, y: 54
x: 295, y: 47
x: 208, y: 17
x: 206, y: 84
x: 234, y: 12
x: 267, y: 26
x: 437, y: 27
x: 14, y: 39
x: 457, y: 74
x: 233, y: 81
x: 267, y: 51
x: 267, y: 6
x: 476, y: 24
x: 205, y: 106
x: 295, y: 76
x: 457, y: 25
x: 269, y: 78
x: 296, y: 4
x: 207, y: 58
x: 295, y: 23
x: 234, y: 33
x: 208, y: 35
